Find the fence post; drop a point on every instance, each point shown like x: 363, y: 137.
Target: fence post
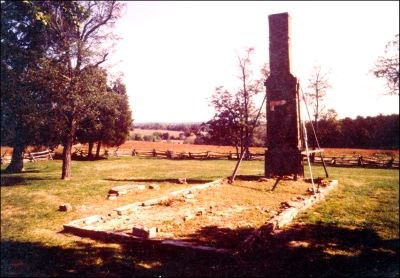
x: 360, y: 161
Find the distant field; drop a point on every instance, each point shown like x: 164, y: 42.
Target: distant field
x: 144, y: 132
x: 163, y: 146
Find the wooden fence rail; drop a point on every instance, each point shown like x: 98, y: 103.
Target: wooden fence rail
x: 4, y: 158
x: 187, y: 155
x: 359, y: 161
x: 36, y: 156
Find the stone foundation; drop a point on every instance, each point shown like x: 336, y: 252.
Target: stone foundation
x: 88, y: 227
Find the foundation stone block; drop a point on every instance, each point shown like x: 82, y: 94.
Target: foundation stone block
x: 124, y: 189
x: 144, y: 232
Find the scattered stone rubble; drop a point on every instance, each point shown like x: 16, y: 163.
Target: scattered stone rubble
x: 65, y: 207
x: 154, y: 186
x: 120, y: 190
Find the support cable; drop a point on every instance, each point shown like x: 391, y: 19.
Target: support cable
x: 315, y: 134
x: 232, y: 178
x: 308, y: 156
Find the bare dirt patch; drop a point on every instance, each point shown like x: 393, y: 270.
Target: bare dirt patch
x: 227, y: 213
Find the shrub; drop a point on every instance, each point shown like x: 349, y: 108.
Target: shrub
x: 137, y: 137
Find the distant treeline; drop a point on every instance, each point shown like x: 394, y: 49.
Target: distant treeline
x: 378, y: 132
x: 183, y: 127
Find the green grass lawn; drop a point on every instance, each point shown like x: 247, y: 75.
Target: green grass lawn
x: 355, y: 231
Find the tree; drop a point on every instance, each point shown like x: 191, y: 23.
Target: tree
x: 165, y: 136
x: 235, y: 114
x: 137, y: 137
x: 77, y: 34
x: 318, y: 85
x: 119, y: 121
x: 89, y: 127
x: 380, y: 132
x: 387, y: 66
x: 224, y: 128
x: 22, y: 107
x: 245, y: 97
x: 329, y: 130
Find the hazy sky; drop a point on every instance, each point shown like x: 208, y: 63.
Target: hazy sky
x: 174, y: 54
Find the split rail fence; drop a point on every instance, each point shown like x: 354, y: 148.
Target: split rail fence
x: 186, y: 155
x: 30, y: 156
x: 358, y: 161
x: 36, y: 156
x: 347, y: 161
x: 332, y: 161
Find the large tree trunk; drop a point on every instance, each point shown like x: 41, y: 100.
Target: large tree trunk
x: 17, y: 160
x: 66, y: 166
x: 90, y: 149
x: 98, y: 149
x: 67, y: 152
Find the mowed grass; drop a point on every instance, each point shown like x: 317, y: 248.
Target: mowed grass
x: 367, y: 199
x: 355, y: 231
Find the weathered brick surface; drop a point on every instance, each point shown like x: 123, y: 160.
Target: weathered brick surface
x: 283, y: 156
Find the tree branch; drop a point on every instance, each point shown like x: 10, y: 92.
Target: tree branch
x: 102, y: 22
x: 98, y: 63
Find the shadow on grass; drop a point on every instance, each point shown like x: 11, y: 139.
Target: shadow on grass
x: 4, y: 172
x: 261, y: 186
x: 17, y: 179
x: 86, y: 158
x: 58, y: 156
x: 189, y: 181
x: 11, y: 179
x: 248, y: 177
x: 306, y: 250
x: 257, y: 178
